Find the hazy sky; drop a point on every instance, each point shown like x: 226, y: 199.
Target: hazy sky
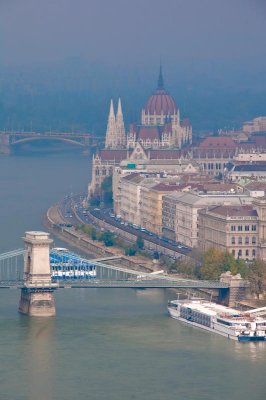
x: 132, y: 33
x: 62, y: 60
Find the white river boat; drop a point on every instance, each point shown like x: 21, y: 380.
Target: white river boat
x: 233, y: 324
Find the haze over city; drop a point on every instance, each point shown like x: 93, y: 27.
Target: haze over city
x: 133, y: 199
x: 61, y: 61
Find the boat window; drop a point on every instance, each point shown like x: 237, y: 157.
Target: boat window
x: 221, y: 321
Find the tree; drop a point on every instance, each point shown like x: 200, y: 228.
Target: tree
x: 257, y: 277
x: 107, y: 190
x: 130, y: 251
x: 229, y: 263
x: 95, y: 200
x: 213, y: 264
x: 139, y: 242
x: 107, y: 238
x: 93, y: 233
x: 186, y: 267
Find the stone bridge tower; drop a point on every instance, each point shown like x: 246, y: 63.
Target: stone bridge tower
x: 37, y: 298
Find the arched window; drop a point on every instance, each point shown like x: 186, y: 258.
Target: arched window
x: 246, y: 240
x: 233, y: 240
x: 253, y: 253
x: 240, y: 240
x: 253, y: 239
x: 97, y: 171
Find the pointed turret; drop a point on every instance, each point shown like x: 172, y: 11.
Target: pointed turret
x: 160, y: 85
x: 111, y: 128
x: 120, y: 127
x: 111, y: 112
x: 119, y: 108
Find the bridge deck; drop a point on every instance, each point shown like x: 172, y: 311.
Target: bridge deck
x: 134, y: 284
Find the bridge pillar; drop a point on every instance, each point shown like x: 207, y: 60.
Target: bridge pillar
x: 5, y: 143
x: 238, y: 290
x: 37, y: 298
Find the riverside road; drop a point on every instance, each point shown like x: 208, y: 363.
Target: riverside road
x: 73, y: 205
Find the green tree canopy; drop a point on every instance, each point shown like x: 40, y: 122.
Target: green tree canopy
x: 139, y: 242
x: 257, y: 277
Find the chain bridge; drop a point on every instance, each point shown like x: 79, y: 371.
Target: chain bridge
x: 106, y: 275
x: 39, y: 271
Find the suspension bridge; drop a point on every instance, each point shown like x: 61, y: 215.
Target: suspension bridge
x: 106, y: 275
x: 38, y: 271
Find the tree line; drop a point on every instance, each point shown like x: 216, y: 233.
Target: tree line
x: 211, y: 264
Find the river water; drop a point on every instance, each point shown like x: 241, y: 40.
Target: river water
x: 104, y: 344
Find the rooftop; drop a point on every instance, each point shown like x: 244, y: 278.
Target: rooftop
x: 233, y: 211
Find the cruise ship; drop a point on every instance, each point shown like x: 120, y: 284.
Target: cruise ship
x: 233, y: 324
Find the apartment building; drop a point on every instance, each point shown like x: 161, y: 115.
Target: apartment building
x: 240, y: 230
x: 180, y: 213
x: 230, y: 228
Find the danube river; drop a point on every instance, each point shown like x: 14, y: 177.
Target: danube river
x: 104, y: 344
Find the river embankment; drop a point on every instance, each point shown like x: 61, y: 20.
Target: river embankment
x: 54, y: 221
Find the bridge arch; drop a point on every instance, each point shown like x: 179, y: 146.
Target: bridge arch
x: 49, y: 138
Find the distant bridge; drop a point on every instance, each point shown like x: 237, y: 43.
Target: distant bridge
x: 10, y: 139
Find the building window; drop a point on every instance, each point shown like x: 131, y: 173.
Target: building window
x: 253, y: 253
x: 247, y: 253
x: 254, y: 227
x: 239, y: 253
x: 253, y: 240
x: 246, y: 228
x: 240, y: 240
x: 233, y: 241
x: 97, y: 172
x: 246, y: 240
x: 239, y: 228
x: 233, y: 228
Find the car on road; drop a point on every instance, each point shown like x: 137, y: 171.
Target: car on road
x: 135, y: 226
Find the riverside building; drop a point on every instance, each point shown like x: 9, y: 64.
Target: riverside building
x: 240, y: 230
x: 180, y: 213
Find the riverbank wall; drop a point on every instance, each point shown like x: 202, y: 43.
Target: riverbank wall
x: 92, y: 248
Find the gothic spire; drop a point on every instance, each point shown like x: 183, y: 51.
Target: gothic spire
x: 160, y: 85
x: 119, y: 109
x: 111, y: 128
x: 120, y: 127
x: 111, y: 112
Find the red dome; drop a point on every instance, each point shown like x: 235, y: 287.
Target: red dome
x: 160, y: 103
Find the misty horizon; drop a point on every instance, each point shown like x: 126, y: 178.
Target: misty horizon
x: 62, y: 62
